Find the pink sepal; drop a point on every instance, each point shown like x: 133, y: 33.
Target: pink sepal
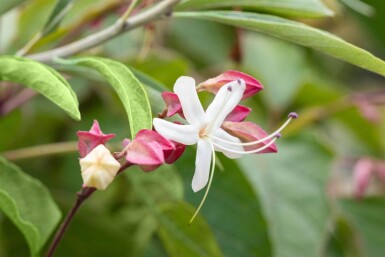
x: 249, y: 132
x: 239, y: 113
x: 212, y: 85
x: 88, y: 140
x: 172, y: 104
x: 149, y: 150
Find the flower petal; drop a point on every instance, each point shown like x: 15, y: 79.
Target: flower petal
x: 224, y: 102
x: 220, y: 133
x: 202, y: 165
x: 192, y: 108
x: 184, y: 134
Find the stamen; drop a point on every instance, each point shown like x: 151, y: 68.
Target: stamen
x: 209, y: 184
x: 276, y: 133
x: 249, y: 152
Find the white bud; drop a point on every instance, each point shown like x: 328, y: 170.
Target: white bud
x: 99, y: 168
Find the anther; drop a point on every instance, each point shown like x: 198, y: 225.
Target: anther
x: 278, y: 135
x: 229, y: 88
x: 293, y: 115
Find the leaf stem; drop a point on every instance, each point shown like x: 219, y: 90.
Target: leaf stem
x: 84, y: 194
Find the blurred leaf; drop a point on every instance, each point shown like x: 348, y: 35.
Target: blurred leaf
x: 94, y: 234
x: 367, y: 217
x: 9, y: 4
x: 148, y: 80
x: 279, y: 65
x: 342, y: 241
x: 127, y: 86
x: 183, y: 239
x: 41, y: 78
x: 161, y: 193
x: 232, y: 209
x: 35, y: 14
x: 154, y: 248
x: 366, y: 131
x: 61, y: 9
x: 301, y: 8
x: 163, y: 68
x: 291, y: 186
x: 296, y: 32
x: 28, y: 204
x: 204, y: 43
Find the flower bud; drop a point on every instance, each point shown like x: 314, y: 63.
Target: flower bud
x: 149, y: 150
x: 99, y: 168
x: 212, y: 85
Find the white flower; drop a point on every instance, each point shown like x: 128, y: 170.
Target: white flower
x: 99, y: 168
x: 204, y: 128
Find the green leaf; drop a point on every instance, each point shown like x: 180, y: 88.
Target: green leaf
x: 41, y: 78
x: 183, y: 239
x: 291, y: 185
x: 60, y: 10
x: 8, y: 5
x: 301, y: 8
x: 28, y: 204
x: 296, y: 32
x: 232, y: 209
x: 367, y: 216
x: 127, y: 86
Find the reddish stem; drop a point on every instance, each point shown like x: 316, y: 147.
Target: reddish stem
x: 81, y: 197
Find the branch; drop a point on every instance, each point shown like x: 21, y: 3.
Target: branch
x: 148, y: 15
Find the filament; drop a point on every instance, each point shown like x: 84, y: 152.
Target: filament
x: 248, y: 152
x: 209, y: 184
x: 274, y: 134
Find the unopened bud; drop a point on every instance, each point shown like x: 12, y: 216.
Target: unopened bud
x: 99, y: 168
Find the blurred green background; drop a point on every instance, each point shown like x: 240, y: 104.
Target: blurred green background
x: 298, y: 202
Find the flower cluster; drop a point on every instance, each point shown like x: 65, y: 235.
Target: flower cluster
x: 221, y: 127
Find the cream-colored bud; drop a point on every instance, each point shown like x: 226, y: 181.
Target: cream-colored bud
x: 99, y: 168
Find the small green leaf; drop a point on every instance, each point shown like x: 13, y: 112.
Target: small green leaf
x: 41, y: 78
x: 296, y: 32
x: 127, y: 86
x: 300, y: 8
x: 9, y: 4
x: 60, y: 10
x: 183, y: 239
x: 28, y: 204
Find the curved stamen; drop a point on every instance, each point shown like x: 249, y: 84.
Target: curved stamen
x: 209, y: 184
x: 252, y: 151
x: 274, y: 134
